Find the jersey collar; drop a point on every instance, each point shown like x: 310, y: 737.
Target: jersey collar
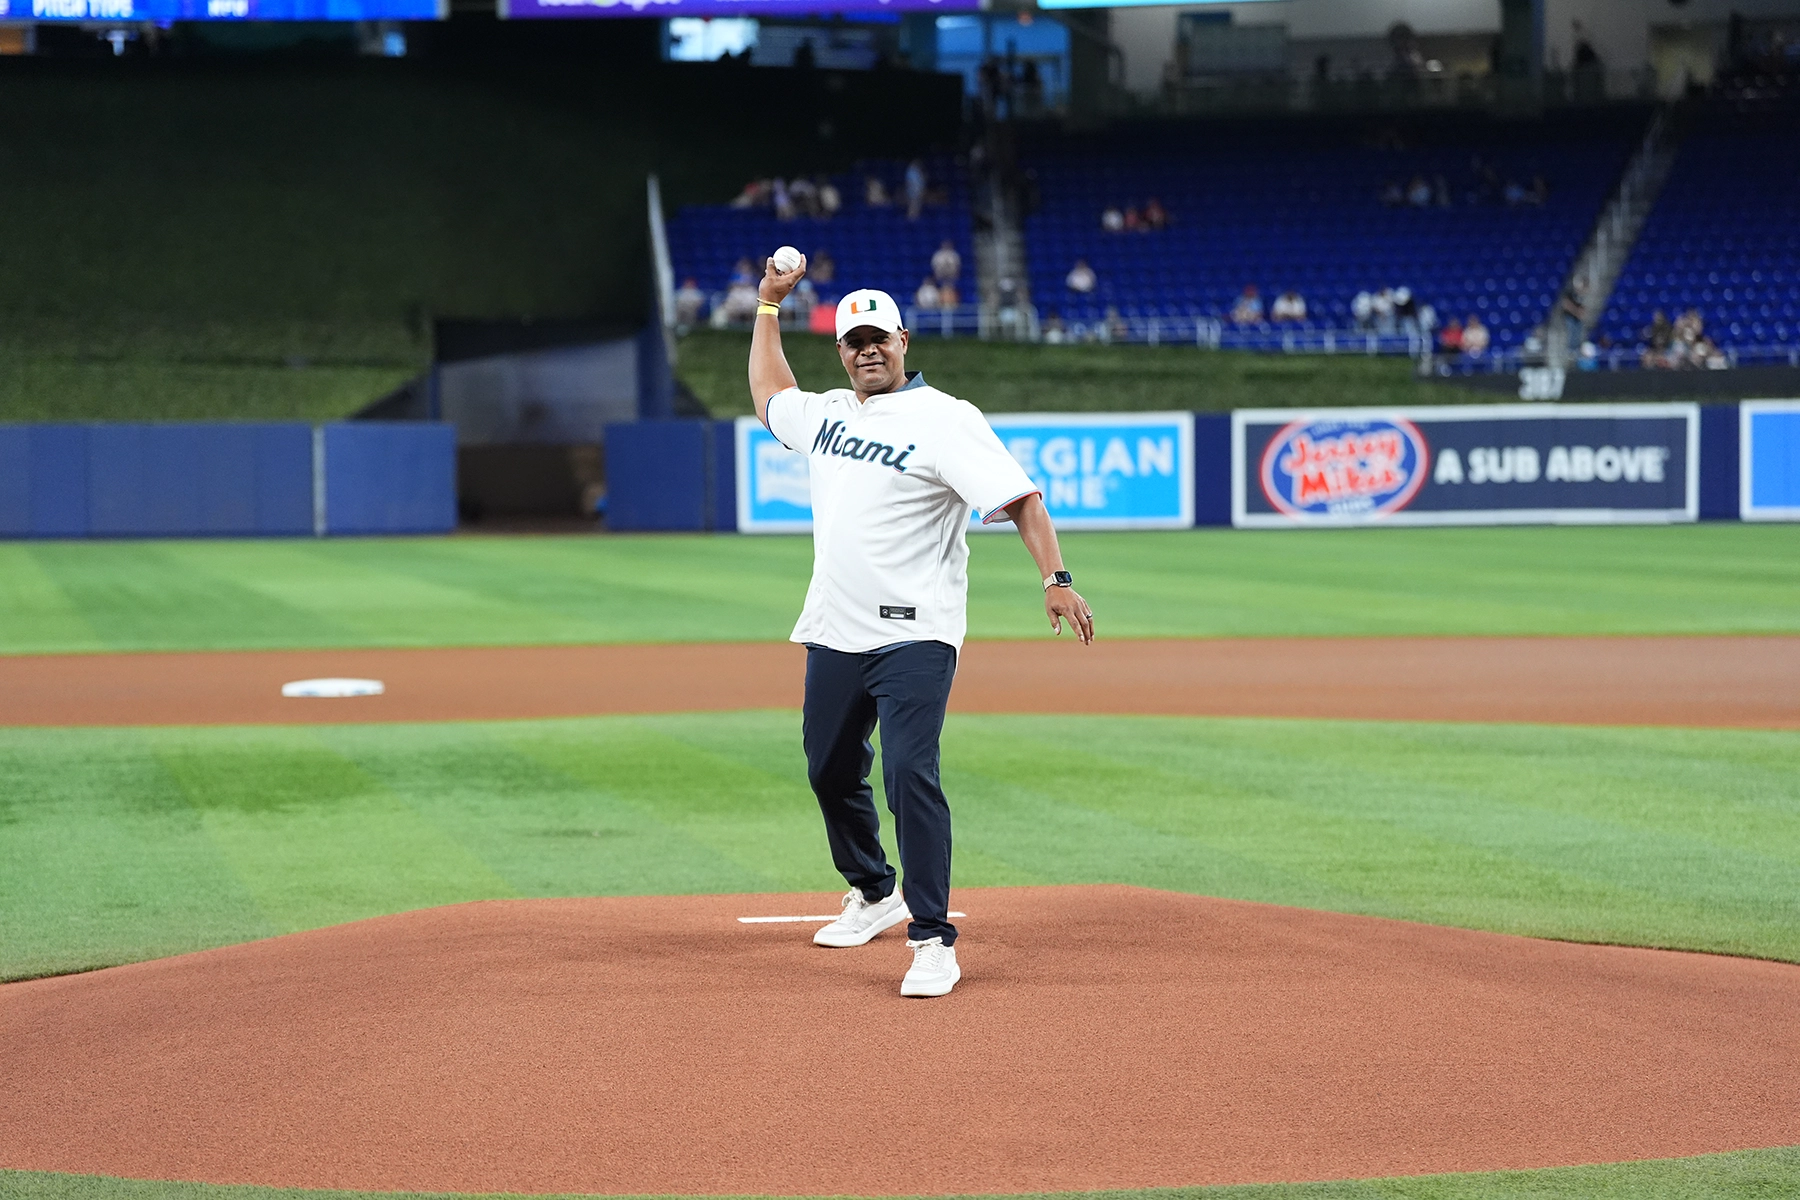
x: 914, y: 379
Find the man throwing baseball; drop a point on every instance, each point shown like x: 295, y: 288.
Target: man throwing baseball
x: 897, y: 467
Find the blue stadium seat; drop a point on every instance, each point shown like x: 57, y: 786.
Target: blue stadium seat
x: 1257, y: 205
x: 1721, y: 239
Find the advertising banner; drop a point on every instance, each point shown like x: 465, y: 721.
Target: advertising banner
x: 222, y: 10
x: 525, y: 9
x: 1097, y: 471
x: 1465, y: 465
x: 1769, y: 475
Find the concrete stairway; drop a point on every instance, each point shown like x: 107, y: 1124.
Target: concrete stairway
x: 1596, y: 269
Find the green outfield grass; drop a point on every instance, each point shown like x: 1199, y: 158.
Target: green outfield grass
x: 1014, y: 377
x: 1744, y: 1175
x: 171, y: 595
x: 125, y: 844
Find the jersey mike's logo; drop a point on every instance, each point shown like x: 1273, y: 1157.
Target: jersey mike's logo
x: 1325, y: 468
x: 831, y: 440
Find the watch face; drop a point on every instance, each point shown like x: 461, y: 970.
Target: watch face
x: 1063, y: 578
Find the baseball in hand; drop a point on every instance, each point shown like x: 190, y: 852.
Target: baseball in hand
x: 786, y: 259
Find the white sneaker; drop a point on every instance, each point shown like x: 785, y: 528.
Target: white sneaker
x: 862, y: 919
x: 934, y: 971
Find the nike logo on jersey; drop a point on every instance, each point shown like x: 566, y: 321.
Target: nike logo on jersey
x: 831, y: 440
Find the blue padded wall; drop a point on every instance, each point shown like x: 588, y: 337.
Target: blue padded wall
x: 193, y: 479
x: 221, y: 479
x: 1212, y: 468
x: 1719, y: 453
x: 390, y: 477
x: 284, y: 480
x: 56, y: 470
x: 724, y: 477
x: 15, y: 481
x: 656, y: 475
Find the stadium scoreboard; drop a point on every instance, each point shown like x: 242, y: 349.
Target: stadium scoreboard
x: 517, y: 9
x: 161, y: 11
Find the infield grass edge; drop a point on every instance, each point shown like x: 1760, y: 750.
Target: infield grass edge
x: 1742, y: 1174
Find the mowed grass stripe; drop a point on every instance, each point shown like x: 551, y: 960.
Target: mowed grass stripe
x: 1678, y: 838
x: 214, y: 595
x: 103, y: 861
x: 1740, y: 1175
x: 315, y: 840
x: 1398, y: 819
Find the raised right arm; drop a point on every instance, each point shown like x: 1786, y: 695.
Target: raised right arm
x: 769, y: 370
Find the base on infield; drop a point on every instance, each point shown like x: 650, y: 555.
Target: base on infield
x: 1102, y: 1037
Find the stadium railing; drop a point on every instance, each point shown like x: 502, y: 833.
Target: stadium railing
x: 1261, y: 94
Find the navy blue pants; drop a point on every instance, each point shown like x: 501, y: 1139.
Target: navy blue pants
x: 905, y: 691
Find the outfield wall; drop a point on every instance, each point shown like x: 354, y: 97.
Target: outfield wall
x: 1279, y: 468
x: 226, y: 479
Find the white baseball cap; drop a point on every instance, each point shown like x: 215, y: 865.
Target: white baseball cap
x: 867, y: 307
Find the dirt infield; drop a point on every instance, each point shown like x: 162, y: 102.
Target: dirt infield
x: 1700, y: 681
x: 1103, y: 1037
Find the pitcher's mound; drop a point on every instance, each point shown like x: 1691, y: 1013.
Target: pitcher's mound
x: 1103, y: 1037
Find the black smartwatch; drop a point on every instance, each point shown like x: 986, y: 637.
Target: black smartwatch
x: 1059, y: 579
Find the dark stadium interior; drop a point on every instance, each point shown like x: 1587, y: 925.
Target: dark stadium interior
x: 219, y: 220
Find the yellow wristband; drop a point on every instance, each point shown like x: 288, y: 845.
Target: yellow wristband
x: 773, y: 310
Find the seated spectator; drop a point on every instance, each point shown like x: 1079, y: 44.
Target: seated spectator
x: 1249, y: 307
x: 1082, y: 278
x: 1450, y: 339
x: 754, y: 195
x: 1689, y: 326
x: 946, y: 263
x: 1418, y: 192
x: 1406, y: 311
x: 1588, y: 357
x: 1055, y: 332
x: 915, y: 188
x: 805, y: 196
x: 831, y: 201
x: 803, y: 299
x: 1362, y: 310
x: 1112, y: 219
x: 1658, y: 333
x: 1012, y: 303
x: 1114, y: 329
x: 689, y: 301
x: 1155, y: 215
x: 744, y: 271
x: 1708, y: 355
x: 927, y: 297
x: 1392, y: 194
x: 1385, y: 321
x: 1134, y: 222
x: 783, y: 200
x: 1474, y: 337
x: 821, y: 268
x: 948, y: 297
x: 875, y: 193
x: 740, y: 301
x: 1289, y: 306
x: 1484, y: 181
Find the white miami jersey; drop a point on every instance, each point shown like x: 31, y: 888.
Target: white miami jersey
x: 894, y: 480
